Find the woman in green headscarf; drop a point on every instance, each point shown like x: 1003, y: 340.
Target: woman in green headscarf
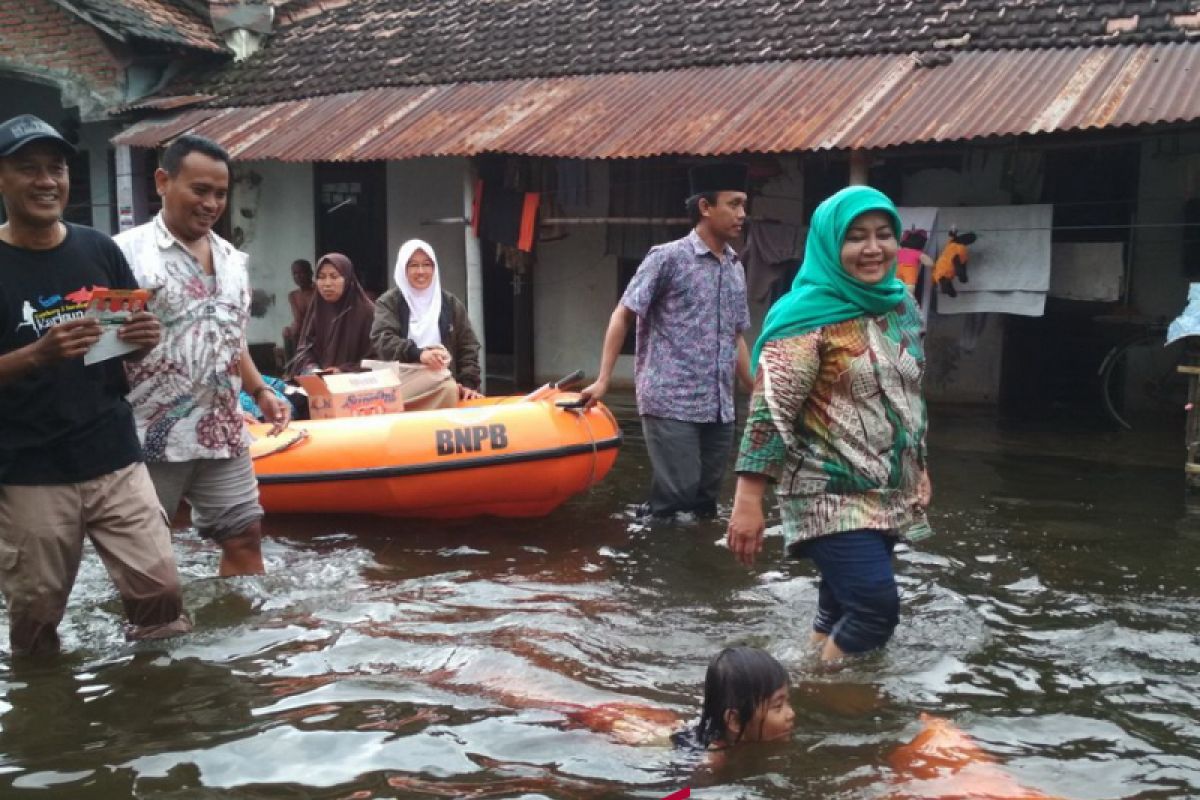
x: 837, y: 421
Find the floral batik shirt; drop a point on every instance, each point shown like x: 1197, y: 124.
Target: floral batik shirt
x: 185, y: 392
x: 837, y: 422
x: 691, y: 308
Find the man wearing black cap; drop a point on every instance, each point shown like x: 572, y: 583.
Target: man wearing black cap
x: 70, y: 464
x: 689, y: 301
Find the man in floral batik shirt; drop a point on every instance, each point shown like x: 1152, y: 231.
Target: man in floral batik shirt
x: 689, y: 300
x: 185, y: 393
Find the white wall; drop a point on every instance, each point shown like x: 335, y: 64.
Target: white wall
x: 94, y: 138
x: 575, y: 292
x: 424, y: 189
x: 280, y: 231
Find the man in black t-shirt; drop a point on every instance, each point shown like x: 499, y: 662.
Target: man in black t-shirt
x: 70, y: 463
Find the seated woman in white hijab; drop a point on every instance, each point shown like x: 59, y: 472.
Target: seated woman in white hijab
x: 418, y: 324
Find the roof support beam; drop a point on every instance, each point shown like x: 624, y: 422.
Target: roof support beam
x: 860, y: 167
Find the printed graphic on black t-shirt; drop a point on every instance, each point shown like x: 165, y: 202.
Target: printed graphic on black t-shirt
x: 50, y: 311
x: 66, y: 422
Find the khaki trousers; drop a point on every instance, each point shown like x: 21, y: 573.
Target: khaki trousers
x: 425, y: 389
x: 41, y: 545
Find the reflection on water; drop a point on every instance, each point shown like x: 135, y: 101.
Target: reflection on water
x: 1053, y: 617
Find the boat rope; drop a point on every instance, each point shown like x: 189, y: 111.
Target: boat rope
x: 282, y: 441
x: 582, y: 415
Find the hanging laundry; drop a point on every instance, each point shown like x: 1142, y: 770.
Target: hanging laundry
x: 505, y: 216
x: 951, y: 264
x: 644, y: 188
x: 911, y: 258
x: 922, y: 218
x: 1010, y: 261
x: 1187, y: 323
x: 572, y: 184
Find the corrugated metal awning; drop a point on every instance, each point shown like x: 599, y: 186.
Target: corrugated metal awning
x: 858, y: 103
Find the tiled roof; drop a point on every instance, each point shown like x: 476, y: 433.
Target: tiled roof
x: 169, y: 22
x: 375, y: 43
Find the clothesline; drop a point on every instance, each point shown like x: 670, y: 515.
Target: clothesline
x: 686, y: 221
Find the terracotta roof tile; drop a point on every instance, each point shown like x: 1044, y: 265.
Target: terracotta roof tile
x: 169, y: 22
x: 376, y: 43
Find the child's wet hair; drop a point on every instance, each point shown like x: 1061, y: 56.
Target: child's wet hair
x: 739, y: 679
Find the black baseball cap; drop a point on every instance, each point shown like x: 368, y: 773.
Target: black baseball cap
x: 19, y: 131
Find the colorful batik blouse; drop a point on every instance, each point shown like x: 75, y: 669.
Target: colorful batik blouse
x: 837, y: 422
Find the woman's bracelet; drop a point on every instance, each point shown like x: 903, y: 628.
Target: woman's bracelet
x: 259, y: 391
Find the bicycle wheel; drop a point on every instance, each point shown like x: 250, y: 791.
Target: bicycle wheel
x: 1139, y: 376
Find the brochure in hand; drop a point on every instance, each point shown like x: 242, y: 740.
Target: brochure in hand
x: 113, y: 308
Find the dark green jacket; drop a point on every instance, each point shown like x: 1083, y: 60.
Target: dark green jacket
x: 389, y: 335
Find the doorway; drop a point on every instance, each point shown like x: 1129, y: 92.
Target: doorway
x: 351, y: 209
x: 1050, y: 363
x: 508, y: 319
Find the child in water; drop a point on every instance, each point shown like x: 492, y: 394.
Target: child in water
x: 745, y: 701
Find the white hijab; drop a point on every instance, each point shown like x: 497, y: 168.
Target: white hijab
x: 424, y: 305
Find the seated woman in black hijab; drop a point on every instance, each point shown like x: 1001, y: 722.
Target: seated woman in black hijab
x: 336, y: 333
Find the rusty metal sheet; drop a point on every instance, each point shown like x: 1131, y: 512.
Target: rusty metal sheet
x: 172, y: 103
x: 870, y: 102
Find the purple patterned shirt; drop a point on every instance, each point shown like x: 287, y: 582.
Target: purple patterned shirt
x: 691, y: 308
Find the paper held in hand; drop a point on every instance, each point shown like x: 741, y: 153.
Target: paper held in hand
x: 113, y: 308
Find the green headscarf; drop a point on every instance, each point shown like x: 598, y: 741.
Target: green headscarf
x: 823, y: 292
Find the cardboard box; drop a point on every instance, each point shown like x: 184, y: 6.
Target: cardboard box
x: 352, y: 394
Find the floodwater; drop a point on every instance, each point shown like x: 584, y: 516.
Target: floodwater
x: 1053, y: 616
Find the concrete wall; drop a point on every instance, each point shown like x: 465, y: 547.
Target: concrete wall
x: 94, y: 137
x: 280, y: 231
x: 424, y: 189
x: 575, y: 292
x: 976, y: 183
x: 1169, y: 175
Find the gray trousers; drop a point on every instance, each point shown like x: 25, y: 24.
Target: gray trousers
x: 689, y: 461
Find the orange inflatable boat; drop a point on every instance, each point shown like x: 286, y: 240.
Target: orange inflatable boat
x: 943, y: 762
x: 500, y: 456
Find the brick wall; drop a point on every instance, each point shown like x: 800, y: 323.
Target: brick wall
x: 40, y: 39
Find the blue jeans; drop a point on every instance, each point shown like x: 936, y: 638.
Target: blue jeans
x: 858, y: 604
